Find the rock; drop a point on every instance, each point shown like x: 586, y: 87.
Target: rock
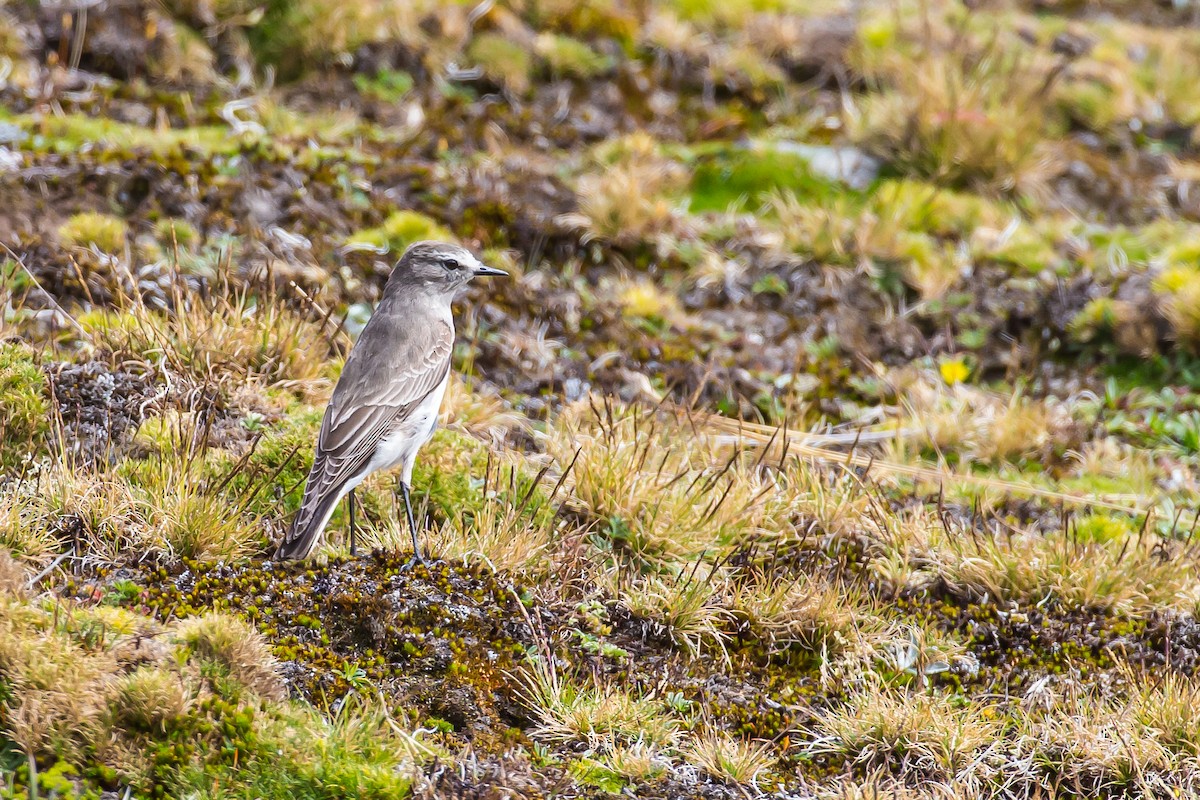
x: 100, y: 408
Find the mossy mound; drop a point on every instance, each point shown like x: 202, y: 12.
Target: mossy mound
x: 439, y: 642
x: 103, y: 231
x: 398, y: 231
x: 24, y: 404
x: 100, y: 701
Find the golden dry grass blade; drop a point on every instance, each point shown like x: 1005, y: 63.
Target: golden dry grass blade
x: 785, y: 442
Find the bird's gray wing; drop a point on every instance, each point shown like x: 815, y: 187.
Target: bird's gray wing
x: 395, y: 365
x: 381, y: 384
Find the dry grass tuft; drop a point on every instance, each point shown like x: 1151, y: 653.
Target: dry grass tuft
x: 57, y: 681
x: 638, y: 761
x: 980, y: 426
x: 1145, y: 741
x: 510, y: 533
x: 236, y: 647
x: 801, y: 610
x: 223, y: 343
x: 631, y: 197
x: 943, y: 109
x: 930, y: 735
x: 690, y: 608
x: 149, y: 700
x: 1123, y: 575
x: 843, y: 232
x: 603, y: 717
x: 13, y: 579
x: 729, y: 758
x: 482, y: 413
x: 658, y: 496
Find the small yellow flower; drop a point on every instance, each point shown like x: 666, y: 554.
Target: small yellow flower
x: 954, y: 371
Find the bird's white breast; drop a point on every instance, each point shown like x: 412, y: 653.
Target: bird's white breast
x: 400, y: 446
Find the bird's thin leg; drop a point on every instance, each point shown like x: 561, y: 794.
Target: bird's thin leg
x: 353, y: 542
x: 412, y: 525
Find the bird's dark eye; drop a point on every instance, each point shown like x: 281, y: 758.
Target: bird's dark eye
x: 450, y: 263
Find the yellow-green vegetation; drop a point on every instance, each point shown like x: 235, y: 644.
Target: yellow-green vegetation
x: 836, y: 435
x: 103, y: 231
x: 1179, y: 288
x: 569, y: 57
x: 389, y: 86
x: 68, y: 133
x: 503, y: 61
x: 398, y: 231
x: 176, y: 233
x: 947, y: 96
x: 730, y: 759
x: 24, y: 405
x: 98, y: 698
x: 631, y: 193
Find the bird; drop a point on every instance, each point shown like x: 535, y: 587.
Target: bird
x: 386, y: 402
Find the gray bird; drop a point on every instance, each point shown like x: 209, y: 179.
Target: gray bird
x: 385, y: 405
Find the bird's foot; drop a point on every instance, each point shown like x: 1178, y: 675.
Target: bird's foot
x: 416, y: 560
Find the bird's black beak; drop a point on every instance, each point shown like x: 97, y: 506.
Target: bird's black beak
x: 483, y: 271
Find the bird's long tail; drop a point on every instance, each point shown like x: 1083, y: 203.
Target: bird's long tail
x: 315, y: 511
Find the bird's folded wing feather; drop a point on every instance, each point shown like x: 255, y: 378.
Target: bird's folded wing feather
x: 384, y: 379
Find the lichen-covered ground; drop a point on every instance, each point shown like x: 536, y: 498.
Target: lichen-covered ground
x: 837, y: 435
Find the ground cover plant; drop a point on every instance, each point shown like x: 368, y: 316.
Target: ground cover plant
x: 836, y: 436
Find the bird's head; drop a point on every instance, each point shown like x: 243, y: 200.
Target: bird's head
x: 439, y: 266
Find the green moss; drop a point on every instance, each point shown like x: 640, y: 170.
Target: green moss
x: 1102, y: 528
x: 591, y: 772
x: 102, y: 231
x: 1026, y: 249
x: 444, y: 471
x: 1089, y: 103
x: 399, y: 230
x: 151, y: 727
x: 450, y: 473
x: 388, y: 85
x: 157, y: 434
x: 24, y: 410
x: 1184, y: 253
x: 61, y: 781
x: 297, y: 753
x: 503, y: 61
x: 724, y: 12
x: 1098, y: 319
x: 297, y: 36
x: 924, y: 207
x: 741, y: 178
x: 878, y: 33
x: 570, y: 57
x: 342, y: 623
x: 590, y: 19
x: 170, y: 232
x: 1114, y: 249
x: 1102, y: 485
x: 69, y: 133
